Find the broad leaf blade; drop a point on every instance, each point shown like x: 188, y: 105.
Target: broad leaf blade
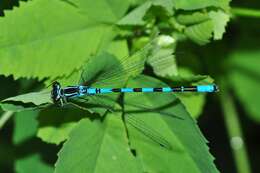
x: 32, y: 163
x: 95, y: 146
x: 55, y: 124
x: 189, y: 150
x: 25, y: 126
x: 56, y: 38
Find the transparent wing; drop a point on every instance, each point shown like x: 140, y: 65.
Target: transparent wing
x: 138, y: 108
x: 108, y: 71
x: 133, y: 117
x: 148, y: 131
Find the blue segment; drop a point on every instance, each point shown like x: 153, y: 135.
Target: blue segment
x: 147, y: 89
x: 206, y: 88
x: 167, y: 89
x: 127, y: 90
x: 91, y: 91
x: 105, y: 90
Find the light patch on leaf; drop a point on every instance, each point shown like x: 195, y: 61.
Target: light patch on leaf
x: 220, y: 20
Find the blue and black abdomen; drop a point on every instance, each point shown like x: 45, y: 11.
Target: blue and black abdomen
x: 200, y: 88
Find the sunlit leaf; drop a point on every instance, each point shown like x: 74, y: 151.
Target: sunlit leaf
x: 170, y: 119
x: 56, y: 37
x: 95, y: 146
x: 220, y: 20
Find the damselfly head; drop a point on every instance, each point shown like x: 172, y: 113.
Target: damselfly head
x: 56, y: 92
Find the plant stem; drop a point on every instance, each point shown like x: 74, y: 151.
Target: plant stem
x: 234, y: 131
x: 4, y: 118
x: 245, y: 12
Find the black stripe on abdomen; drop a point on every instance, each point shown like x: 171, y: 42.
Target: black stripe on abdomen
x: 116, y: 90
x: 137, y: 89
x: 157, y: 89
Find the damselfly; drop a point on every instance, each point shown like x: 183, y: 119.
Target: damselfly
x: 60, y: 95
x: 109, y: 79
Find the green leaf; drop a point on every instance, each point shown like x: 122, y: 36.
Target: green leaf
x: 189, y: 18
x: 244, y: 77
x: 102, y: 11
x: 56, y: 36
x: 55, y: 124
x: 102, y: 63
x: 200, y: 33
x: 106, y: 70
x: 202, y: 26
x: 95, y: 146
x: 220, y: 20
x: 32, y: 163
x: 25, y: 126
x: 36, y: 98
x: 185, y: 75
x: 26, y: 101
x: 198, y: 4
x: 162, y: 57
x: 193, y: 102
x: 136, y: 17
x: 169, y: 118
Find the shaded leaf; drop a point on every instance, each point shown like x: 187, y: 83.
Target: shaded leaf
x: 25, y: 126
x: 198, y: 4
x: 189, y: 18
x: 200, y: 33
x: 136, y: 17
x: 55, y: 124
x: 32, y: 163
x: 244, y: 77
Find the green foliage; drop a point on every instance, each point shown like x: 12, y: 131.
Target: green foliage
x: 32, y: 163
x: 244, y: 78
x: 54, y: 43
x: 105, y: 149
x: 22, y: 132
x: 174, y: 123
x: 115, y: 43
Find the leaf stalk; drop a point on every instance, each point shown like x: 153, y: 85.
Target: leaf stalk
x: 234, y: 130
